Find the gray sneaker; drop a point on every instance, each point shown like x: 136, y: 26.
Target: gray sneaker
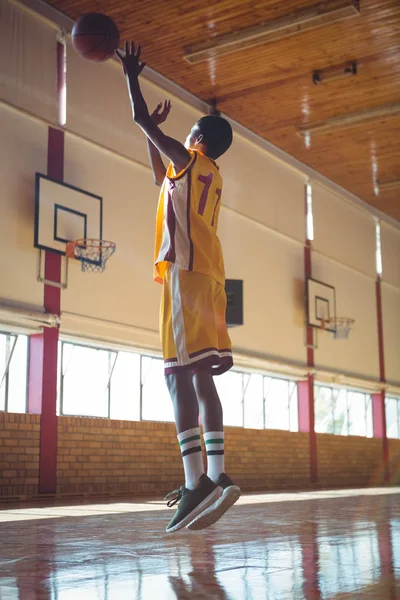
x: 209, y: 516
x: 191, y: 502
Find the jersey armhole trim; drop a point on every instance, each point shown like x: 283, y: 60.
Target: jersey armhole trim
x: 185, y: 170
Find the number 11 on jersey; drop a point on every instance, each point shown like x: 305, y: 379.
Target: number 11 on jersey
x: 207, y: 180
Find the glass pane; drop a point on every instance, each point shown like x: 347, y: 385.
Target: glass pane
x: 339, y: 406
x: 323, y: 410
x: 229, y: 387
x: 2, y: 367
x: 86, y: 372
x: 17, y: 382
x: 369, y: 417
x: 253, y: 401
x: 125, y: 387
x: 293, y: 407
x: 392, y: 425
x: 276, y: 403
x: 357, y: 421
x: 156, y: 402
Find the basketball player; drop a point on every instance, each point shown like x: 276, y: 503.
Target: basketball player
x: 189, y: 264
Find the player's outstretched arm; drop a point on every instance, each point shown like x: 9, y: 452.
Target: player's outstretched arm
x: 171, y: 148
x: 159, y: 115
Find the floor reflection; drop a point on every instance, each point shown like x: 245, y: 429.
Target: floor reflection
x: 264, y: 549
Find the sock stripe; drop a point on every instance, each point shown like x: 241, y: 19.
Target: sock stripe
x: 214, y: 441
x: 189, y: 439
x: 215, y: 452
x: 191, y: 450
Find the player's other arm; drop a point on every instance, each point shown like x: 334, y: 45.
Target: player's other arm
x: 171, y: 148
x: 159, y: 115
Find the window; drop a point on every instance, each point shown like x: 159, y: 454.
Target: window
x: 378, y: 252
x: 280, y: 397
x: 100, y: 382
x: 258, y: 401
x: 253, y: 397
x: 310, y: 217
x: 342, y: 412
x: 13, y: 372
x: 156, y: 403
x: 230, y: 390
x: 125, y: 387
x: 392, y: 406
x: 96, y: 382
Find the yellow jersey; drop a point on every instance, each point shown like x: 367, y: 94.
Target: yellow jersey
x: 187, y: 219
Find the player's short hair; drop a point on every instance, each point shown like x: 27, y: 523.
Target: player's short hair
x: 217, y: 134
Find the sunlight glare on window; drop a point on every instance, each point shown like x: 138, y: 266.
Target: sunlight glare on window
x: 229, y: 387
x: 85, y: 381
x: 17, y: 380
x: 156, y: 402
x: 253, y: 401
x: 125, y: 387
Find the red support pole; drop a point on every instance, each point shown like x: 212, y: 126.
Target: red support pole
x: 379, y: 424
x: 306, y: 388
x: 309, y: 331
x: 307, y: 421
x: 378, y: 400
x: 42, y: 386
x: 380, y: 330
x: 46, y: 373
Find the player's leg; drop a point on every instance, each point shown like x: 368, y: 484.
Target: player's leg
x: 199, y: 491
x: 211, y: 421
x: 211, y: 415
x: 186, y: 412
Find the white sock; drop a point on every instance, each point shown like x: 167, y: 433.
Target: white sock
x: 214, y: 443
x: 189, y: 442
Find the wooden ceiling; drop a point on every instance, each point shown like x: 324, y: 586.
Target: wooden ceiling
x: 269, y: 88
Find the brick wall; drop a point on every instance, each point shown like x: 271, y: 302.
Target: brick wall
x: 19, y: 454
x: 267, y: 459
x: 394, y: 461
x: 98, y: 456
x: 349, y: 461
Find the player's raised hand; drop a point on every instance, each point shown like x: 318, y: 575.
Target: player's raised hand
x: 130, y: 60
x: 160, y: 114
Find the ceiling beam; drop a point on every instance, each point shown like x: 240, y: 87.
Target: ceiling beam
x: 388, y: 110
x: 320, y: 14
x: 392, y: 184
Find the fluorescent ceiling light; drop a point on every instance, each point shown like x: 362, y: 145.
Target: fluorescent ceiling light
x: 389, y: 110
x: 303, y: 20
x: 335, y: 72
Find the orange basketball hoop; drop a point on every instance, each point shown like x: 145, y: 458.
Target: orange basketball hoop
x: 340, y: 326
x: 92, y: 253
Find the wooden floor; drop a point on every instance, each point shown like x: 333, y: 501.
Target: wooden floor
x: 337, y: 544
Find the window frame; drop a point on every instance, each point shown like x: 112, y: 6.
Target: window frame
x: 5, y: 376
x: 335, y: 393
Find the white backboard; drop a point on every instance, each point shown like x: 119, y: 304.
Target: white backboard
x: 64, y: 213
x: 321, y: 304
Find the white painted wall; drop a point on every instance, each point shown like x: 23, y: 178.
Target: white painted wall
x: 262, y: 227
x: 391, y: 331
x: 356, y: 298
x: 23, y: 151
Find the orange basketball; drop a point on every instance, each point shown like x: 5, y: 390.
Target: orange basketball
x: 95, y: 37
